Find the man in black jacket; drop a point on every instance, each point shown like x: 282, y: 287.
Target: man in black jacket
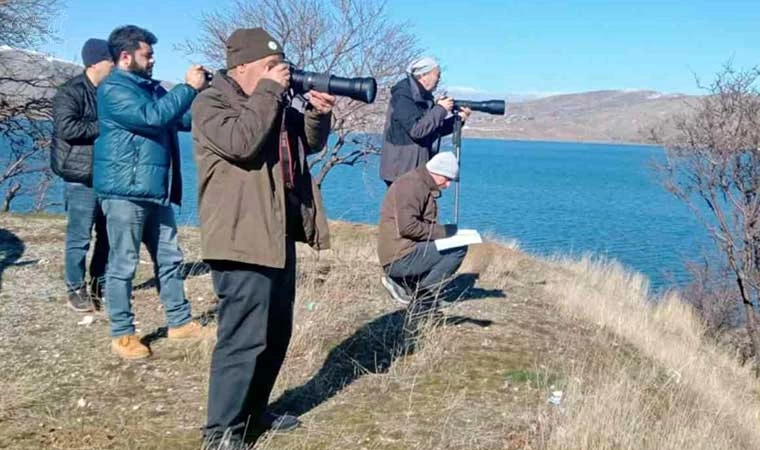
x: 75, y: 129
x: 415, y: 121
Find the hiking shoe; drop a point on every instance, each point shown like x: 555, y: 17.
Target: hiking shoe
x: 396, y: 291
x: 80, y: 301
x: 275, y: 422
x: 190, y: 330
x: 129, y: 347
x: 226, y: 441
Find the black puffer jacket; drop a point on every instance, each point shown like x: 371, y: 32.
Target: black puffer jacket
x: 75, y: 119
x: 412, y: 126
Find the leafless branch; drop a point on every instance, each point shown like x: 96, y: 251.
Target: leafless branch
x: 346, y: 37
x: 713, y: 165
x: 27, y: 82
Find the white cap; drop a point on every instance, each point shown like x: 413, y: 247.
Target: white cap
x: 422, y: 66
x: 444, y: 164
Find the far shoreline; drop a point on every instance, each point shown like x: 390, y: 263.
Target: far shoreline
x: 465, y: 136
x: 560, y: 141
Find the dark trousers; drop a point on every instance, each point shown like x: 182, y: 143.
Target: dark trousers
x: 255, y: 321
x: 431, y: 267
x: 425, y: 271
x: 84, y: 212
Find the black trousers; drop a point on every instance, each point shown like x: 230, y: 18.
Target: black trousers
x: 255, y: 322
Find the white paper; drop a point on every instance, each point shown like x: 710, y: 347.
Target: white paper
x: 460, y: 239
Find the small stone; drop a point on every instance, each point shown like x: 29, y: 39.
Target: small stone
x: 86, y: 321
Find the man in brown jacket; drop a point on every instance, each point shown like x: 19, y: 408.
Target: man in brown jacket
x: 407, y: 231
x: 256, y: 199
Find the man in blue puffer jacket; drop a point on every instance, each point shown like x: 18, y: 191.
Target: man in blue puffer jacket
x: 136, y: 173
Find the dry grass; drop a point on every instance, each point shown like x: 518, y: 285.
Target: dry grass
x: 634, y: 376
x: 659, y: 384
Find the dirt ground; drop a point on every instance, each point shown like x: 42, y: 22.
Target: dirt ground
x: 480, y: 381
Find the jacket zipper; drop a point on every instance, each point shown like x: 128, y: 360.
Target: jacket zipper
x: 134, y: 163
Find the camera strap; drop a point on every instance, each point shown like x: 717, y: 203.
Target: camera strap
x: 286, y: 157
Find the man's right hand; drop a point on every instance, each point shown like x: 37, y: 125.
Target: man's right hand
x: 196, y: 77
x: 280, y: 74
x: 451, y: 229
x: 447, y: 103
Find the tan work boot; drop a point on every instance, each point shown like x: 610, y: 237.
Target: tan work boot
x: 129, y: 347
x: 190, y: 330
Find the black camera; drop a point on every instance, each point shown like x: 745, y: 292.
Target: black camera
x: 489, y: 106
x: 361, y: 89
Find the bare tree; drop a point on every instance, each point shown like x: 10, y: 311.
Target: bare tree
x: 713, y: 294
x: 713, y: 165
x: 26, y: 23
x: 27, y: 80
x: 345, y: 37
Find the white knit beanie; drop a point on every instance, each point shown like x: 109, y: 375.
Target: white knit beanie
x: 444, y: 164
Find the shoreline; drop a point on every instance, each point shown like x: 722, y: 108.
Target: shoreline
x: 552, y: 141
x: 465, y: 136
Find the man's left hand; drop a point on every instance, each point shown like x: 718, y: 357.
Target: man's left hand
x: 322, y: 102
x: 464, y: 113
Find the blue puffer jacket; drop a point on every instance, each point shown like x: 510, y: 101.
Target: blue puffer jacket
x: 136, y: 156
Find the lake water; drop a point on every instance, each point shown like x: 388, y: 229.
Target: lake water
x: 553, y: 198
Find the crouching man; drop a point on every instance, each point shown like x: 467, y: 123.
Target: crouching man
x: 256, y: 199
x: 415, y: 270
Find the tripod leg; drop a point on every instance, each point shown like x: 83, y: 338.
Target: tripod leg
x: 456, y: 138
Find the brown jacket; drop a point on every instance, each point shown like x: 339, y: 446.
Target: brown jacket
x: 409, y: 215
x: 241, y: 192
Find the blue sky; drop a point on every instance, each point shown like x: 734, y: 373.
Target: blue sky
x: 500, y: 47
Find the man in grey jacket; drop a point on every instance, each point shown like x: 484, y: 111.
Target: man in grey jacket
x: 415, y: 121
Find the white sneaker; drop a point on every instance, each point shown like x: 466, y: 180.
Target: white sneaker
x: 396, y: 292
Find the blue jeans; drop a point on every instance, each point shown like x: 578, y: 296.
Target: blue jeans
x: 84, y: 211
x: 128, y: 224
x: 433, y: 268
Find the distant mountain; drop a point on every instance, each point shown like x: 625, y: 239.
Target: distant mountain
x: 28, y: 75
x: 598, y: 116
x: 31, y: 63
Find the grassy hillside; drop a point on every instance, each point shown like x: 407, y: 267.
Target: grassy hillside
x: 632, y: 376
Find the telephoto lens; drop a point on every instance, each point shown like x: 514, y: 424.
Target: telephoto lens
x: 361, y: 89
x: 496, y: 107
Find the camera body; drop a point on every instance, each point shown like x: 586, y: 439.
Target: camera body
x: 361, y: 89
x: 496, y: 107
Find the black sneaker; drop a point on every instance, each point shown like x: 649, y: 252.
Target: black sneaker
x: 80, y: 301
x: 397, y: 292
x: 275, y: 422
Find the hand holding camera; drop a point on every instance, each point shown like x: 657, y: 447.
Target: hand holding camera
x: 196, y: 77
x: 464, y: 113
x: 322, y: 102
x: 446, y: 102
x: 280, y: 74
